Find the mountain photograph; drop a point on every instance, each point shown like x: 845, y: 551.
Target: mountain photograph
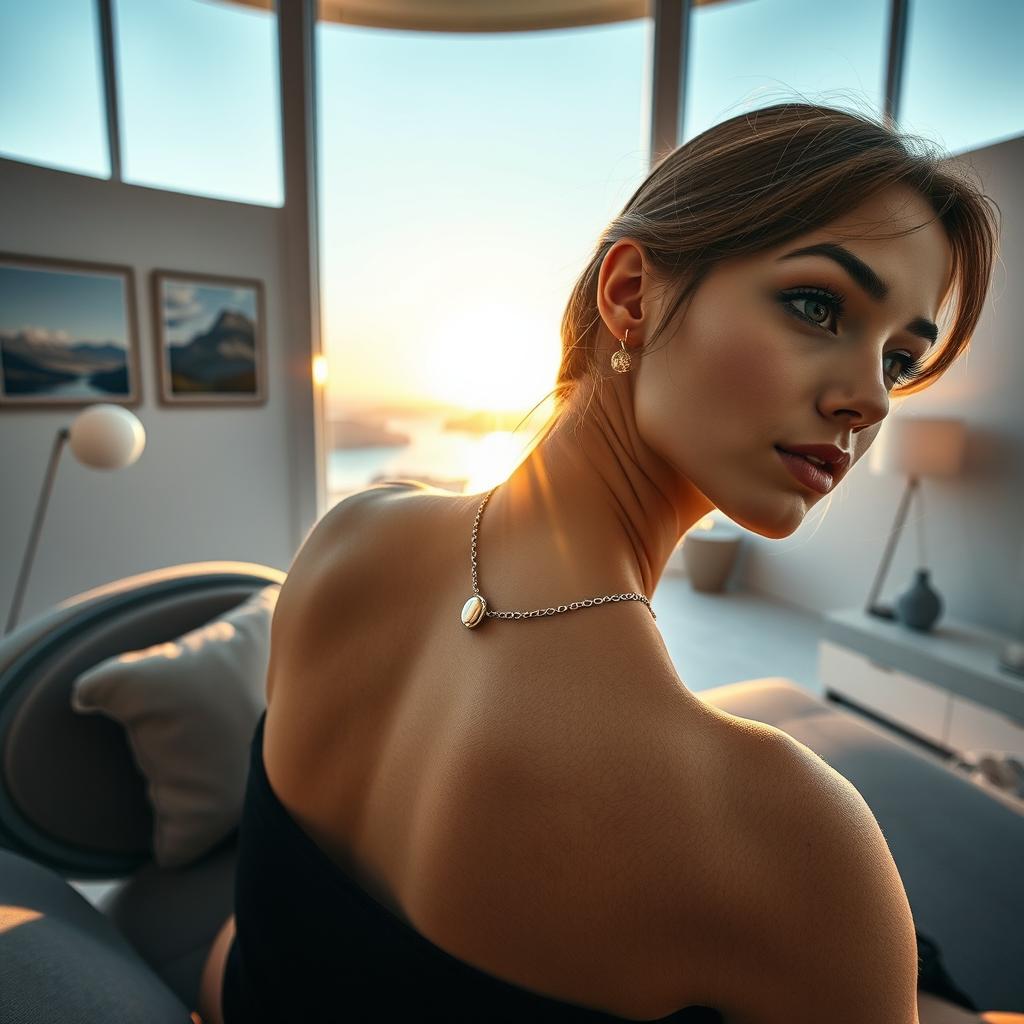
x: 64, y: 332
x: 209, y: 337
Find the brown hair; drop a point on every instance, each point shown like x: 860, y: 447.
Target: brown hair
x: 758, y: 179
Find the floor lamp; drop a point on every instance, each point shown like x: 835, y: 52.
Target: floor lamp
x: 913, y: 448
x: 102, y: 436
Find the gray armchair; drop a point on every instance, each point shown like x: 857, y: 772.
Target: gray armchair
x: 73, y: 805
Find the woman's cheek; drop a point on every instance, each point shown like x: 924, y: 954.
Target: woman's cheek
x: 755, y: 372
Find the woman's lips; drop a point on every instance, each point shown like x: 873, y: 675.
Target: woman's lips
x: 811, y: 475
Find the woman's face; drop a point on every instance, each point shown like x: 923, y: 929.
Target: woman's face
x: 749, y: 368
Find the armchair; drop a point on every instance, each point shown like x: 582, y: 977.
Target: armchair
x: 73, y: 805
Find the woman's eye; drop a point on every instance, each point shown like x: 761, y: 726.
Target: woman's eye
x: 909, y: 367
x: 814, y: 306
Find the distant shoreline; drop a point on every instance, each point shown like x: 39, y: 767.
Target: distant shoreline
x: 371, y: 429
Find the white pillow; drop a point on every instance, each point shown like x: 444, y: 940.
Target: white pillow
x: 190, y: 707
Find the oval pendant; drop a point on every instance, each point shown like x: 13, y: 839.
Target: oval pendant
x: 473, y: 611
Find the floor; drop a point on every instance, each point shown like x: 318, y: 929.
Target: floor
x: 718, y: 638
x: 713, y: 639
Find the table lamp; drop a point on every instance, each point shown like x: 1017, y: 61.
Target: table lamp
x: 102, y: 436
x: 915, y: 448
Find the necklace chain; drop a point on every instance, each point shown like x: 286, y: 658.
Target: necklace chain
x: 588, y: 603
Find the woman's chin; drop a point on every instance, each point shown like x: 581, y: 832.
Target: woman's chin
x: 778, y: 523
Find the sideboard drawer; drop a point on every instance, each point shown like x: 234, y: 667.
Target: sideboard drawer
x: 976, y: 727
x: 915, y: 705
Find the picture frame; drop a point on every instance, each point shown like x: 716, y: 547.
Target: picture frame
x: 68, y: 333
x: 210, y: 339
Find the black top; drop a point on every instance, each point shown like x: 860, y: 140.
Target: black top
x: 311, y: 944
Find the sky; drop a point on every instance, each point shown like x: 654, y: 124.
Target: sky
x: 66, y: 306
x: 465, y: 178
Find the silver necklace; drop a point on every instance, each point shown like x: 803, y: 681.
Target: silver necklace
x: 475, y: 610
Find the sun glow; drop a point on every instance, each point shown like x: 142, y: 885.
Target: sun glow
x: 492, y: 460
x: 492, y: 358
x: 320, y: 373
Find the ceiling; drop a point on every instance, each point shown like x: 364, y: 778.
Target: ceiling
x: 476, y: 15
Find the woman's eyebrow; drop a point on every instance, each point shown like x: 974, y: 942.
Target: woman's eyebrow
x: 868, y: 280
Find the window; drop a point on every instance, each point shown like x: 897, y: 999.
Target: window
x: 52, y: 108
x: 745, y: 55
x: 199, y: 98
x: 464, y: 179
x: 963, y: 77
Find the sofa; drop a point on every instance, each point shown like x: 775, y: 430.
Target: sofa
x: 74, y: 807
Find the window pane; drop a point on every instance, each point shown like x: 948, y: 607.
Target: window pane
x: 464, y: 179
x: 52, y: 109
x: 963, y: 76
x: 199, y: 98
x: 754, y: 53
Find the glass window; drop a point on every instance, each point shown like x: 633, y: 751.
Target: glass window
x: 52, y: 108
x: 464, y: 179
x: 963, y: 74
x: 754, y: 53
x: 199, y: 98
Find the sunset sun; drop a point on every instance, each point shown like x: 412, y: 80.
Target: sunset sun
x: 494, y: 358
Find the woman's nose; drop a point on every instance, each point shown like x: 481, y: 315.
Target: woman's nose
x: 858, y: 389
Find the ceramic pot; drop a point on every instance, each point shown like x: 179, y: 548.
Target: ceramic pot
x: 920, y: 605
x: 709, y: 557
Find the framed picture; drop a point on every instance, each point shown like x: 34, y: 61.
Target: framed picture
x: 210, y: 339
x: 68, y: 333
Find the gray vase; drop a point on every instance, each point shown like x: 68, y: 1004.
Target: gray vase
x: 919, y: 606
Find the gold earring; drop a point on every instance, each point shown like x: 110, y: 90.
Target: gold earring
x: 621, y: 359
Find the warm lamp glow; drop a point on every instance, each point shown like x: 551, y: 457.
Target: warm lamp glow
x: 320, y: 370
x: 707, y: 523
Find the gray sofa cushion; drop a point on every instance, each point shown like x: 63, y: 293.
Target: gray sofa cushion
x: 63, y: 962
x: 171, y: 915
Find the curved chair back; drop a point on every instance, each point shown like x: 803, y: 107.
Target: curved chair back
x: 71, y: 795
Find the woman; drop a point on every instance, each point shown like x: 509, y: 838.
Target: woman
x: 464, y: 817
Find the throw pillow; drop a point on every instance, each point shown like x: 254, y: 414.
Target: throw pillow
x: 190, y: 708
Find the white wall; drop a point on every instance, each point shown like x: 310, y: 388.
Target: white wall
x: 212, y: 483
x: 974, y: 525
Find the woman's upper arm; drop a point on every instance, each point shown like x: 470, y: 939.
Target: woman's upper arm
x: 213, y: 974
x: 844, y: 947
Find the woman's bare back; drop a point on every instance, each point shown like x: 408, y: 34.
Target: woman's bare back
x: 543, y: 799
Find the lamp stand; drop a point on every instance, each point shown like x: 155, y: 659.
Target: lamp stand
x: 37, y: 525
x: 884, y: 611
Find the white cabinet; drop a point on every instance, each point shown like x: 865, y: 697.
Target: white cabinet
x: 975, y: 727
x: 945, y: 687
x: 915, y: 705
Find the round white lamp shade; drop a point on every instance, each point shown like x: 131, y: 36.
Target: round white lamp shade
x: 915, y: 446
x: 106, y: 436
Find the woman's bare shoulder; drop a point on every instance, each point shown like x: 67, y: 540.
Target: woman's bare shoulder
x: 349, y: 533
x: 803, y: 839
